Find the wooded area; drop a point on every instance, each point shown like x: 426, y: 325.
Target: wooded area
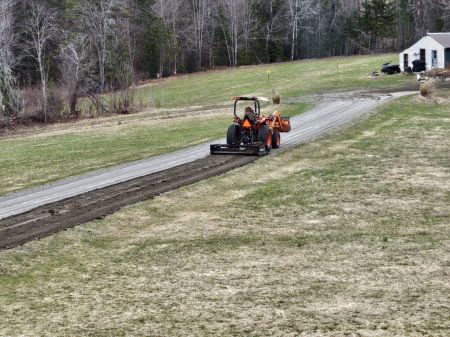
x: 79, y: 48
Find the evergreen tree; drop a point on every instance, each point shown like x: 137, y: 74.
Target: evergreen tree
x: 377, y: 20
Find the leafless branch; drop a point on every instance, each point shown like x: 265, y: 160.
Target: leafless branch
x: 39, y: 29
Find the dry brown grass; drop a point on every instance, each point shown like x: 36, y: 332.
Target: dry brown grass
x: 426, y: 89
x: 347, y: 236
x: 439, y: 73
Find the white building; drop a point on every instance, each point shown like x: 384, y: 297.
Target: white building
x: 434, y: 49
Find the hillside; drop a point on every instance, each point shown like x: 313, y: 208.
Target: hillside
x: 348, y: 235
x: 203, y: 110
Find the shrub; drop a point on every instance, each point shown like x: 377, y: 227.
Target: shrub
x: 55, y: 105
x: 438, y: 73
x: 121, y: 102
x: 426, y: 88
x: 31, y: 101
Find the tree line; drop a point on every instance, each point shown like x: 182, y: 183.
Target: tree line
x: 87, y: 47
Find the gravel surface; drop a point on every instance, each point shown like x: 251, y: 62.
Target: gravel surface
x: 25, y: 211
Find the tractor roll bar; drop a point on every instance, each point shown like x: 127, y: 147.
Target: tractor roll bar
x: 257, y: 105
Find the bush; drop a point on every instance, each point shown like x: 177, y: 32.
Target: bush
x: 426, y: 88
x: 438, y: 73
x: 121, y: 102
x: 31, y: 101
x: 32, y: 106
x: 55, y: 105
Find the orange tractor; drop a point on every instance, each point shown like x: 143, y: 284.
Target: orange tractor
x: 253, y: 134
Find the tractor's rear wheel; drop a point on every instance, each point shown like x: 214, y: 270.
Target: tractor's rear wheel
x: 276, y: 140
x: 234, y: 135
x: 265, y: 137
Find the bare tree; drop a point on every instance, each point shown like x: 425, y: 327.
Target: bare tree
x: 160, y: 9
x: 201, y: 14
x: 129, y: 31
x: 238, y: 24
x: 211, y: 32
x: 75, y: 67
x: 445, y: 4
x: 424, y: 16
x: 249, y: 22
x: 39, y: 30
x: 230, y: 26
x: 170, y: 11
x: 6, y: 56
x: 100, y: 19
x: 299, y: 11
x: 274, y: 22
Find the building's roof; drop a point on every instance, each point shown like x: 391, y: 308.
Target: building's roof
x: 441, y: 38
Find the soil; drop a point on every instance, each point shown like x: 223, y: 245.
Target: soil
x: 49, y: 219
x: 46, y: 220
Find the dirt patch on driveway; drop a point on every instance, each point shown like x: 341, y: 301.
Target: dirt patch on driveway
x: 52, y: 218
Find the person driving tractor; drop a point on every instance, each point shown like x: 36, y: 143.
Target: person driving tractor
x: 249, y: 113
x: 252, y: 134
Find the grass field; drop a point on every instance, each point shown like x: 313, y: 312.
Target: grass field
x: 36, y: 159
x: 40, y: 155
x: 288, y: 79
x: 65, y: 150
x: 346, y: 236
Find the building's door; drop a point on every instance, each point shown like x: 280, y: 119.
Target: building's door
x: 434, y: 59
x: 422, y: 55
x: 447, y: 58
x: 405, y: 61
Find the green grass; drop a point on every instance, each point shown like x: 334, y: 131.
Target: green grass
x: 348, y: 235
x: 287, y: 79
x: 69, y: 149
x: 44, y: 157
x: 293, y: 79
x: 36, y: 160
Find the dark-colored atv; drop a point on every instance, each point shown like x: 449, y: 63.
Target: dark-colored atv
x: 390, y: 69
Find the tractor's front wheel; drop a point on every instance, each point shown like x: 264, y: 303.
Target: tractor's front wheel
x: 276, y: 140
x: 234, y: 135
x: 265, y: 137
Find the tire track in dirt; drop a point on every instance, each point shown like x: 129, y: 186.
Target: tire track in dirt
x: 37, y: 213
x: 68, y: 213
x: 326, y: 115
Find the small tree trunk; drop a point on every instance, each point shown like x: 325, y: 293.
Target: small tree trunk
x: 293, y: 43
x: 44, y: 93
x: 101, y: 65
x: 161, y: 63
x: 43, y: 87
x: 175, y: 65
x: 73, y: 103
